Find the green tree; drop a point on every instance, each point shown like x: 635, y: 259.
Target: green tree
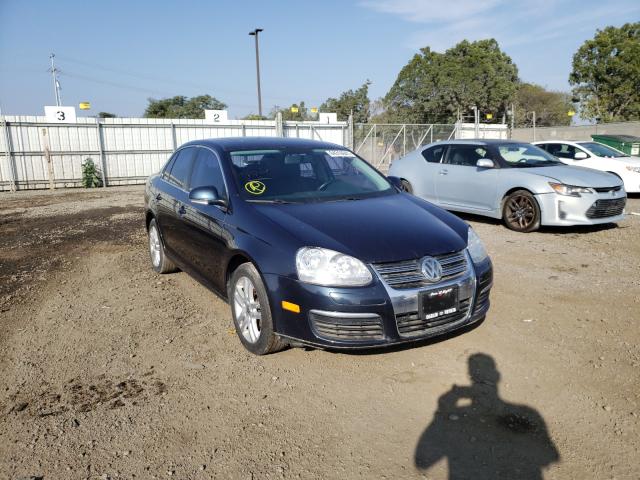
x: 434, y: 87
x: 182, y: 107
x: 551, y: 107
x: 254, y: 116
x: 106, y: 115
x: 300, y: 116
x: 606, y: 74
x: 356, y: 101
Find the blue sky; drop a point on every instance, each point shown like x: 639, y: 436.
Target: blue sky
x: 118, y: 53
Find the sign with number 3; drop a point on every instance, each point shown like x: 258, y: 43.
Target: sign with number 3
x: 55, y: 114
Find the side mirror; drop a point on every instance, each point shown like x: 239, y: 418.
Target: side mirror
x: 580, y: 156
x: 396, y: 182
x: 485, y: 163
x: 207, y: 196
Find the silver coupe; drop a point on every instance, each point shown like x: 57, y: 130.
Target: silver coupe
x: 518, y: 182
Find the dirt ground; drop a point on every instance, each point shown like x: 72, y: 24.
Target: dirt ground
x: 111, y: 371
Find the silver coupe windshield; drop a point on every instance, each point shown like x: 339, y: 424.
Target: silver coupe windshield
x: 524, y: 155
x: 305, y: 175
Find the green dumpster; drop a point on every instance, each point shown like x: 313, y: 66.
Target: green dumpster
x: 625, y: 143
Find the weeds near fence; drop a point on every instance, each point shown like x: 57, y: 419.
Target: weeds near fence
x: 90, y: 174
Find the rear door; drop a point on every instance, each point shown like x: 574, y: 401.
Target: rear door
x: 171, y: 205
x: 205, y: 225
x: 460, y: 183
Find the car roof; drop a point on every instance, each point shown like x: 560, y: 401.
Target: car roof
x: 479, y: 141
x: 255, y: 143
x: 563, y: 141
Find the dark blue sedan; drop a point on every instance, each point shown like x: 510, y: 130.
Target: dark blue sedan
x: 309, y: 244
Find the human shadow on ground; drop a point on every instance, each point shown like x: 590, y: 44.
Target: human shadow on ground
x: 483, y: 437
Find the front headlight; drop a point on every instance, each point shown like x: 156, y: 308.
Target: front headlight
x: 325, y: 267
x: 569, y: 190
x: 632, y: 169
x: 476, y: 247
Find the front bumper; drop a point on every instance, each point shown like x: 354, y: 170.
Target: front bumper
x: 588, y: 209
x: 372, y: 316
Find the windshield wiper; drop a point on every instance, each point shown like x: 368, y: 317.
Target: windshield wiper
x: 275, y: 201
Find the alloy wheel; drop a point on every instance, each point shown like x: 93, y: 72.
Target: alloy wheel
x: 154, y: 246
x: 520, y: 212
x: 247, y: 309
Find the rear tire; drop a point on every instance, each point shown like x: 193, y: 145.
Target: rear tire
x: 159, y: 260
x: 406, y: 186
x: 251, y: 311
x: 521, y: 212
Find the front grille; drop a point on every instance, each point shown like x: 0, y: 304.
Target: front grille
x: 606, y: 208
x: 484, y: 288
x: 408, y: 274
x: 410, y: 325
x: 335, y: 327
x: 608, y: 189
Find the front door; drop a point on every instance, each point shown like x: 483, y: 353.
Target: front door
x: 205, y: 225
x: 460, y: 183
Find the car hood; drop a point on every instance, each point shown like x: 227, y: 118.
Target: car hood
x: 383, y: 229
x: 578, y: 176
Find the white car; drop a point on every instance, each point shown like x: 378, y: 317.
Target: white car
x: 599, y: 157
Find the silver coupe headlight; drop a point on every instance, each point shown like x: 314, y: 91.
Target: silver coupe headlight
x: 326, y: 267
x: 476, y: 247
x: 569, y: 190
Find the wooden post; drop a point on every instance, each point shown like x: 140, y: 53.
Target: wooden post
x: 47, y: 155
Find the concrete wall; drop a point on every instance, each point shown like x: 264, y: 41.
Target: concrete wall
x: 582, y: 132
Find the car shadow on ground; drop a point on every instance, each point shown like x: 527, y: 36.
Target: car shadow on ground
x: 470, y: 217
x: 481, y: 436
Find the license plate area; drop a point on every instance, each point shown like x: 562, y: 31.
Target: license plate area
x: 438, y: 302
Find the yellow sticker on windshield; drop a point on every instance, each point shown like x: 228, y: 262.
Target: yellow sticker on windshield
x: 255, y: 187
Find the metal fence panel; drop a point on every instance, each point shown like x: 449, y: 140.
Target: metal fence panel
x: 128, y: 150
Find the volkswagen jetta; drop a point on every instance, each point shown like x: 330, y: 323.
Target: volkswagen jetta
x: 310, y: 244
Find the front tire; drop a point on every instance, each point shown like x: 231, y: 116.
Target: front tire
x: 251, y: 311
x: 521, y: 212
x: 159, y: 261
x: 406, y: 186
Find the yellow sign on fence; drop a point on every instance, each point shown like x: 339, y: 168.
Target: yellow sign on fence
x: 85, y: 105
x: 294, y: 109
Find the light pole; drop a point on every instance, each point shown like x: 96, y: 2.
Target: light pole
x: 255, y: 34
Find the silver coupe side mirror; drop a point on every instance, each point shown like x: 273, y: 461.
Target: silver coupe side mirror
x: 485, y: 163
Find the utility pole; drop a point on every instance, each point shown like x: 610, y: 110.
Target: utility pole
x: 255, y: 34
x: 534, y: 126
x: 56, y: 83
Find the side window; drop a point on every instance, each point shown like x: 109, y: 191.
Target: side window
x: 167, y: 166
x: 433, y: 154
x: 465, y: 155
x: 181, y: 166
x: 562, y: 150
x: 207, y: 172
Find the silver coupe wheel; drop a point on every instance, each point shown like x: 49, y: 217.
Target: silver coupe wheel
x: 154, y: 246
x: 247, y: 309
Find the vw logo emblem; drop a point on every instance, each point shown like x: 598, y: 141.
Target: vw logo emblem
x: 431, y: 269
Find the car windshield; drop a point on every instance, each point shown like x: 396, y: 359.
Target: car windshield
x: 602, y: 150
x: 287, y: 175
x: 525, y: 155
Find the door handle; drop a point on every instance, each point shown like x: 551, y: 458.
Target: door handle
x: 444, y: 172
